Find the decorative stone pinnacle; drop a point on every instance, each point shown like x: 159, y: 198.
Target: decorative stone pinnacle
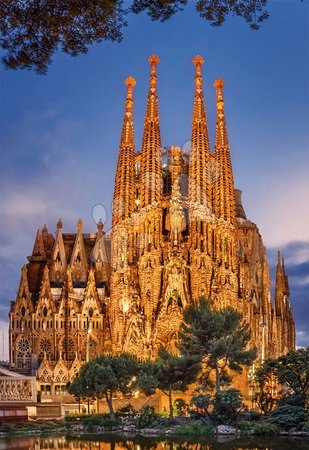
x: 100, y: 225
x: 130, y: 82
x: 219, y: 84
x: 80, y: 225
x: 198, y: 61
x: 153, y: 60
x: 59, y: 224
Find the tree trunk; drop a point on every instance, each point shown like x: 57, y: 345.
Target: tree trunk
x: 110, y: 406
x: 170, y: 401
x: 217, y: 380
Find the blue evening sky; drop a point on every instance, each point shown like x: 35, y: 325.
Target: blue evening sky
x: 60, y: 132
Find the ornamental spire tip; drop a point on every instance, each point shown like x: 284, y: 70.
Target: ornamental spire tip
x: 219, y: 83
x: 130, y: 81
x: 198, y: 60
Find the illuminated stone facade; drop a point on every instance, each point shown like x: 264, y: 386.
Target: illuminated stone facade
x: 179, y: 231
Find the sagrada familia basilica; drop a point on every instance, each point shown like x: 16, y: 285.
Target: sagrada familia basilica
x: 179, y: 231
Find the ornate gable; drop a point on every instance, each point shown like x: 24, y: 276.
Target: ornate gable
x: 58, y: 256
x: 61, y: 373
x: 91, y: 303
x: 46, y: 304
x: 78, y: 259
x: 75, y: 368
x: 45, y: 372
x: 99, y: 256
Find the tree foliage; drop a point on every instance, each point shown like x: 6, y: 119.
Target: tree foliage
x: 291, y: 371
x: 104, y: 376
x: 168, y: 373
x: 31, y: 31
x: 219, y: 338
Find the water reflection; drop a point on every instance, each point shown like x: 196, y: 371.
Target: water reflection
x: 95, y: 442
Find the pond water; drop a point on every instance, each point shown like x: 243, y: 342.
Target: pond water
x: 99, y: 442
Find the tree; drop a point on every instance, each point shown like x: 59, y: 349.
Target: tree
x: 76, y: 389
x: 105, y: 375
x: 290, y: 370
x: 293, y: 370
x: 219, y: 338
x: 168, y: 373
x: 31, y: 31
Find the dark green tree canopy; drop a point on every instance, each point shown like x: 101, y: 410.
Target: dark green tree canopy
x: 168, y: 373
x: 291, y: 370
x: 32, y: 30
x: 104, y: 376
x: 218, y: 337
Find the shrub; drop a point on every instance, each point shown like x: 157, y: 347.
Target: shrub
x: 146, y: 417
x: 245, y: 425
x: 296, y: 399
x: 305, y: 427
x: 74, y: 417
x: 227, y: 405
x: 288, y: 416
x: 125, y: 411
x: 8, y: 427
x: 265, y: 429
x: 201, y: 402
x: 92, y: 421
x: 254, y: 415
x: 195, y: 428
x: 179, y: 406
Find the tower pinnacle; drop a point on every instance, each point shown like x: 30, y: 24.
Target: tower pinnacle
x: 224, y: 182
x: 124, y: 190
x: 199, y: 172
x: 221, y: 133
x: 151, y: 170
x: 198, y: 61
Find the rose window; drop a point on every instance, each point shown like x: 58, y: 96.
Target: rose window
x: 23, y: 346
x: 68, y: 347
x: 45, y: 348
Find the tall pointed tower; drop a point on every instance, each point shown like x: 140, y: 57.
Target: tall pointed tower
x: 200, y: 193
x: 149, y: 236
x: 123, y: 207
x: 225, y: 286
x: 151, y: 156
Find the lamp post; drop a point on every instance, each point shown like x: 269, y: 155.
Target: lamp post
x: 263, y: 325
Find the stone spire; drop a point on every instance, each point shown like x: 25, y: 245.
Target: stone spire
x: 151, y: 170
x: 280, y: 289
x: 124, y: 190
x: 224, y: 193
x: 200, y: 167
x: 38, y: 248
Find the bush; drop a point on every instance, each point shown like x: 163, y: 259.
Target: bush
x: 146, y: 417
x: 92, y: 421
x: 305, y: 427
x: 245, y: 425
x: 265, y: 429
x: 201, y: 402
x: 288, y: 416
x: 8, y: 427
x: 126, y: 411
x: 179, y: 406
x: 227, y: 405
x: 254, y: 415
x: 195, y: 428
x: 296, y: 399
